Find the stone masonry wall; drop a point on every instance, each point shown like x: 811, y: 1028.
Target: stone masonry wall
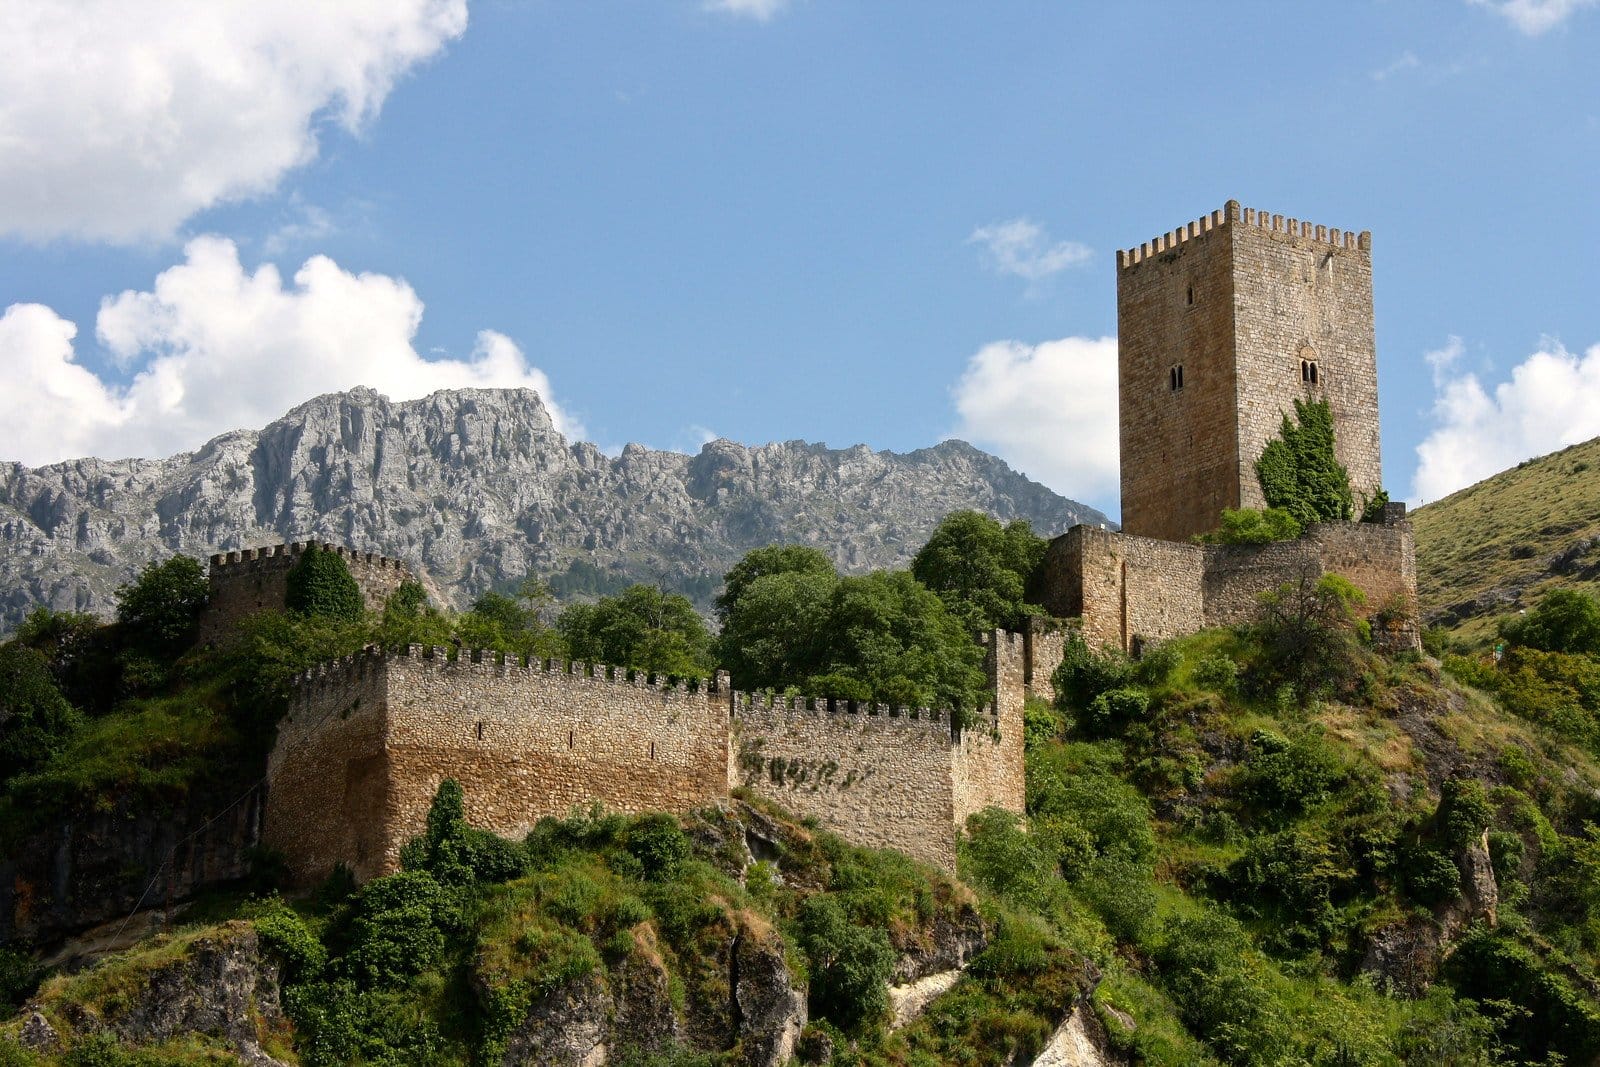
x: 1127, y: 588
x: 530, y: 741
x: 243, y: 583
x: 987, y: 758
x: 328, y: 795
x: 1175, y: 307
x: 1304, y: 292
x: 879, y: 779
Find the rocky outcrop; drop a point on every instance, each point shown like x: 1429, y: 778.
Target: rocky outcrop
x: 1406, y: 955
x: 770, y: 1011
x: 106, y: 865
x: 565, y: 1028
x: 1080, y: 1041
x: 477, y: 488
x: 217, y: 983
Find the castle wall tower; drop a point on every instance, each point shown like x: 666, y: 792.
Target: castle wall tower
x: 1221, y: 324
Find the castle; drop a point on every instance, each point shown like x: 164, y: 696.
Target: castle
x: 1222, y: 325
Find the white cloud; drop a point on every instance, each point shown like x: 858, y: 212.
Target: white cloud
x: 122, y: 118
x: 1406, y: 60
x: 760, y: 10
x: 1021, y: 247
x: 1552, y: 400
x: 1534, y: 17
x: 213, y: 348
x: 1050, y: 410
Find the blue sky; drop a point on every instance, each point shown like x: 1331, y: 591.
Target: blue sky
x: 848, y: 222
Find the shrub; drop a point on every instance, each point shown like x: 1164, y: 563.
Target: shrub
x: 395, y: 929
x: 1084, y: 674
x: 1123, y: 891
x: 659, y: 844
x: 1218, y: 673
x: 850, y: 964
x: 1431, y: 877
x: 458, y: 854
x: 1299, y: 471
x: 35, y: 719
x: 320, y: 584
x: 1305, y: 631
x: 1220, y: 986
x: 1282, y: 778
x: 1464, y: 812
x: 1000, y: 856
x: 1552, y: 1016
x: 1565, y: 620
x: 1249, y: 526
x: 1113, y: 710
x: 286, y: 935
x: 19, y: 974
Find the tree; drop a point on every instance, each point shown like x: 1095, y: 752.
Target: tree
x: 160, y: 609
x: 775, y: 634
x: 512, y: 625
x: 889, y: 639
x: 1305, y: 630
x: 1299, y: 470
x: 35, y: 719
x: 981, y: 569
x: 1566, y: 620
x: 765, y: 562
x: 643, y: 628
x: 320, y: 584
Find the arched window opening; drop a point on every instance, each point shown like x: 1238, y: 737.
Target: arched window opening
x: 1308, y: 371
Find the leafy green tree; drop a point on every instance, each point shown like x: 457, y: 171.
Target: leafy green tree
x: 268, y: 650
x: 643, y: 628
x: 320, y: 584
x: 510, y: 624
x: 159, y: 610
x: 1299, y: 471
x: 775, y: 634
x: 1565, y: 620
x: 981, y: 569
x: 35, y: 719
x: 1250, y: 526
x: 765, y: 562
x: 889, y: 639
x: 850, y: 963
x: 455, y: 853
x: 408, y: 619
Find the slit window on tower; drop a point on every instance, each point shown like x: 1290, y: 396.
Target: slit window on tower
x: 1191, y: 296
x: 1175, y: 377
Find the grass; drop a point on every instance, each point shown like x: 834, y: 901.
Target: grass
x: 1502, y: 532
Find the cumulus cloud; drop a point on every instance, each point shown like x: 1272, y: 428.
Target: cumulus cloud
x: 212, y: 347
x: 1050, y: 410
x: 760, y: 10
x: 1020, y: 247
x: 122, y: 118
x: 1551, y: 400
x: 1534, y: 17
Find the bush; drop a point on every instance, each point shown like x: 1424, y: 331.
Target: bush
x: 850, y: 964
x: 1464, y: 812
x: 19, y: 975
x: 1218, y: 673
x: 1281, y: 778
x: 1083, y: 674
x: 35, y: 719
x: 1249, y: 526
x: 659, y: 844
x: 1431, y: 877
x: 1113, y: 710
x: 395, y: 929
x: 455, y: 853
x: 319, y: 584
x: 1221, y: 987
x: 1123, y: 891
x: 1565, y: 620
x: 286, y: 935
x: 1000, y: 856
x: 1305, y: 630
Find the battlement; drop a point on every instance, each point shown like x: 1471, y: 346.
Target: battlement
x: 1232, y: 214
x: 289, y: 554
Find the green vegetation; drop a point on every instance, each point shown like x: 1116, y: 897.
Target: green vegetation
x: 1253, y: 526
x: 319, y: 585
x: 1299, y: 472
x: 642, y: 628
x: 981, y: 569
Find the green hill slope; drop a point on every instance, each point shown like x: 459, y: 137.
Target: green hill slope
x: 1494, y: 547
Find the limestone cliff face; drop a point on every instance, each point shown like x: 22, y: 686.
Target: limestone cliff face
x: 477, y: 488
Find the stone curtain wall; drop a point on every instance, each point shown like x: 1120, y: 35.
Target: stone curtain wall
x: 368, y: 739
x: 1125, y: 588
x: 328, y: 796
x: 880, y: 780
x: 530, y: 741
x: 1304, y: 291
x: 243, y: 583
x: 1175, y: 306
x: 987, y: 758
x: 1238, y: 298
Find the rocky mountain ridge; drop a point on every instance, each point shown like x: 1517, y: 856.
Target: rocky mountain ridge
x: 477, y: 488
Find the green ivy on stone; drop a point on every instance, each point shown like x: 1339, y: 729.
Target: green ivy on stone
x: 1299, y: 471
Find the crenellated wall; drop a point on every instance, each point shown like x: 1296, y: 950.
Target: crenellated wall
x: 256, y: 579
x: 368, y: 739
x: 1125, y: 590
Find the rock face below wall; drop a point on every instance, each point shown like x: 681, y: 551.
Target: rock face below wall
x: 78, y: 872
x: 476, y: 488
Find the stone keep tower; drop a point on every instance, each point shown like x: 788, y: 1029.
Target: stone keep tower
x: 1221, y: 324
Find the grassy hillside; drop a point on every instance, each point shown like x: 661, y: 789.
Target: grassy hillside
x: 1494, y: 547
